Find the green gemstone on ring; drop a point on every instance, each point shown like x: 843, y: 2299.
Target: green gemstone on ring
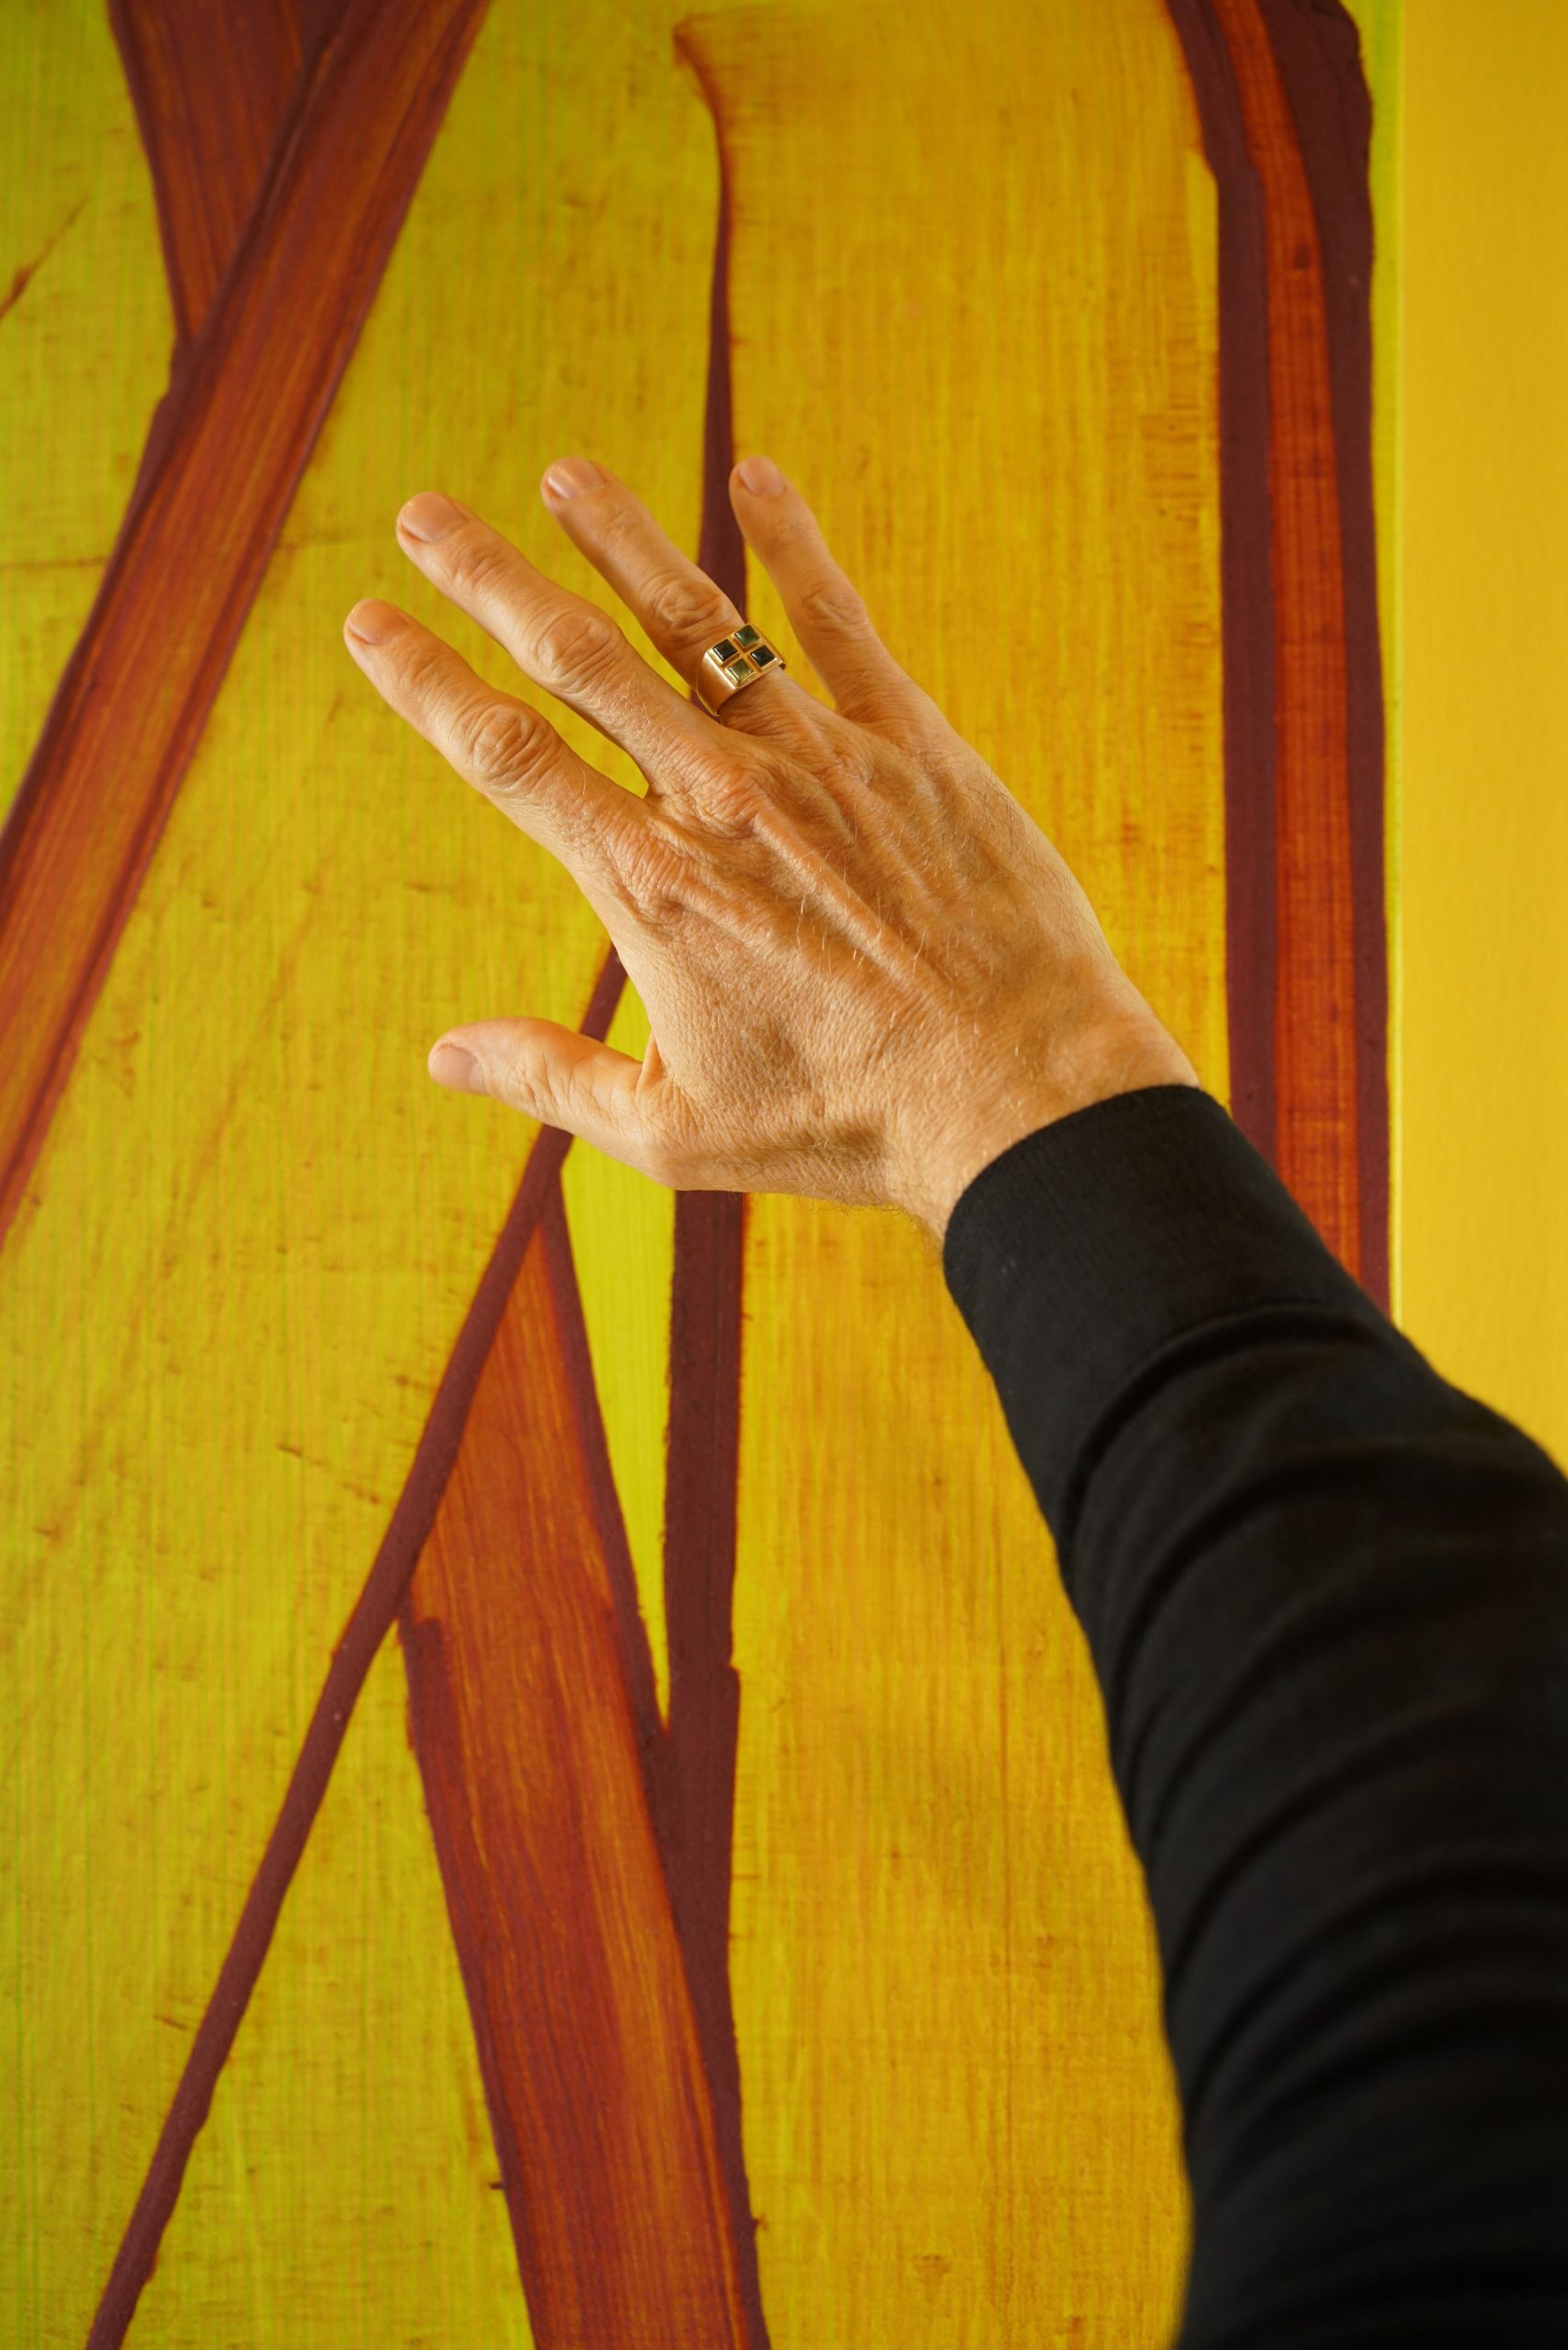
x: 747, y: 635
x: 739, y: 672
x: 763, y: 654
x: 724, y: 652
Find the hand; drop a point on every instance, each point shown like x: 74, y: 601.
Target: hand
x: 866, y: 969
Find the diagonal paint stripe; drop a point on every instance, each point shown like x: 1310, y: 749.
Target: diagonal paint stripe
x: 224, y: 457
x: 371, y: 1618
x: 1246, y: 582
x: 1286, y: 119
x: 571, y: 2125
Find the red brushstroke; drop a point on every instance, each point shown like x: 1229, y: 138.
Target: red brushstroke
x: 351, y: 1660
x: 477, y: 1716
x: 1247, y: 613
x: 532, y: 1763
x: 1278, y: 82
x: 371, y: 1618
x: 224, y: 457
x: 236, y: 220
x: 211, y: 89
x: 702, y: 1453
x: 1317, y: 52
x: 587, y: 1852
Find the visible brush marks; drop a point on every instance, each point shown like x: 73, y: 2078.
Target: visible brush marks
x: 697, y: 1786
x: 211, y: 91
x: 1317, y: 53
x: 1278, y: 82
x: 24, y: 275
x: 530, y: 1785
x: 1247, y: 616
x: 373, y: 1614
x: 223, y: 456
x: 585, y: 1847
x: 530, y: 1749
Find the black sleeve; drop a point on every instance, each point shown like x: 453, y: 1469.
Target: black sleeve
x: 1327, y: 1596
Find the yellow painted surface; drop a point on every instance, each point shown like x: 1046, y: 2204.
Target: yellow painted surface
x: 623, y: 1242
x: 84, y: 341
x: 258, y: 1227
x: 345, y: 2189
x: 994, y: 379
x: 1483, y: 1235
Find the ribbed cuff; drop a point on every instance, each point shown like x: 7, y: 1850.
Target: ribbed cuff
x: 1086, y: 1248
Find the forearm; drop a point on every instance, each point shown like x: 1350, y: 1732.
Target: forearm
x: 1328, y: 1601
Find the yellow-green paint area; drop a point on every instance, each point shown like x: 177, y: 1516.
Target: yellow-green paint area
x: 85, y: 328
x: 623, y: 1242
x: 258, y: 1227
x: 346, y: 2189
x: 959, y: 2122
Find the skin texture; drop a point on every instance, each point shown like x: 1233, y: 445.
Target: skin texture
x: 867, y: 970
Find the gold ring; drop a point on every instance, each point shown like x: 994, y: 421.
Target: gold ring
x: 728, y: 667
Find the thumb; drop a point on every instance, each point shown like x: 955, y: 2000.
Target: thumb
x: 555, y: 1075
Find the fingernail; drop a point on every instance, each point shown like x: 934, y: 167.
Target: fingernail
x: 451, y: 1064
x: 372, y: 621
x: 429, y: 515
x: 761, y: 476
x: 568, y: 477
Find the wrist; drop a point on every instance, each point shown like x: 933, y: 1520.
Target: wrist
x: 1123, y: 1051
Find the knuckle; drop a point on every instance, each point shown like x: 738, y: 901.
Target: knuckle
x: 685, y: 609
x: 478, y: 565
x: 733, y: 798
x: 832, y: 603
x: 508, y: 748
x: 422, y: 670
x: 576, y: 646
x: 654, y: 879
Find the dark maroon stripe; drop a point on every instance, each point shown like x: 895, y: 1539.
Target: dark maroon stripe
x: 1247, y: 587
x: 695, y: 1806
x: 721, y: 549
x: 291, y: 307
x: 213, y: 100
x: 371, y: 1618
x: 1318, y: 52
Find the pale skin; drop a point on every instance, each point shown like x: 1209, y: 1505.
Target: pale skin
x: 867, y: 970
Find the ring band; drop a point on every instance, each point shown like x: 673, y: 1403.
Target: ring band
x: 736, y: 660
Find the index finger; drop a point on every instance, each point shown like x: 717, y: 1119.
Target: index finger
x: 502, y: 747
x: 561, y: 640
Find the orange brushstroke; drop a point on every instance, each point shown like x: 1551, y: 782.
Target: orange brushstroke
x: 688, y: 1767
x: 533, y: 1756
x: 1315, y: 1036
x: 210, y: 90
x: 224, y: 455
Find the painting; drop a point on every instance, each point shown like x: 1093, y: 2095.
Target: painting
x: 554, y: 1796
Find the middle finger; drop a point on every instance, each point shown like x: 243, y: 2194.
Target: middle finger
x: 682, y: 608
